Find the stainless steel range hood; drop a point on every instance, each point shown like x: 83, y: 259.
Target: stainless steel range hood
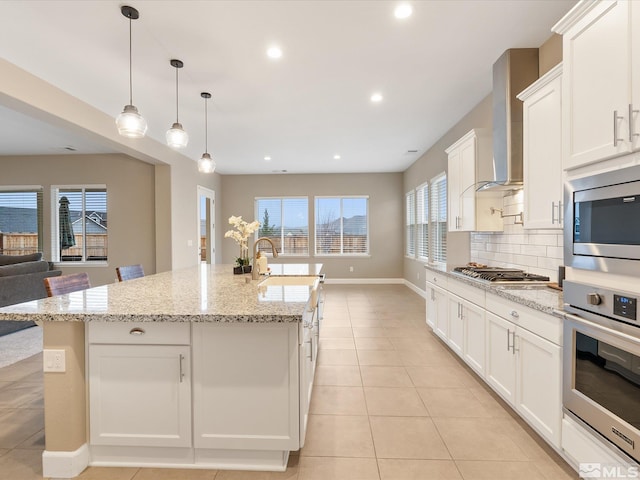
x: 514, y: 71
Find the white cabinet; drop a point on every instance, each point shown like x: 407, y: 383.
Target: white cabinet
x: 600, y: 92
x: 245, y: 386
x: 467, y: 331
x: 525, y: 369
x: 139, y: 392
x: 542, y: 146
x: 437, y: 311
x: 309, y: 338
x: 470, y: 162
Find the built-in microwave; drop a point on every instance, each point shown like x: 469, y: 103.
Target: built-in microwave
x: 602, y: 222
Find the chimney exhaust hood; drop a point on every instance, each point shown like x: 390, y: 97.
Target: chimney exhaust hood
x: 514, y: 71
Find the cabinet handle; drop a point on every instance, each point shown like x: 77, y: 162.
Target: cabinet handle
x: 553, y: 213
x: 433, y: 295
x: 310, y: 357
x: 508, y: 335
x: 616, y: 117
x: 181, y: 370
x: 435, y: 280
x: 560, y: 212
x: 136, y: 331
x: 631, y: 123
x: 515, y: 314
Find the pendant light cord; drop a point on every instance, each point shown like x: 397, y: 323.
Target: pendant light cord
x: 177, y: 117
x: 206, y: 128
x: 130, y: 67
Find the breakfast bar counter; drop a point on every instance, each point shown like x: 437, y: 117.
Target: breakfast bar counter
x: 194, y: 368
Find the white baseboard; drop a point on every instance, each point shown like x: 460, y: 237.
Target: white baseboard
x: 65, y: 464
x: 416, y: 289
x: 364, y: 281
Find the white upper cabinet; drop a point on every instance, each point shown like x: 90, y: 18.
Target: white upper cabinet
x: 600, y: 69
x: 470, y: 162
x: 543, y: 151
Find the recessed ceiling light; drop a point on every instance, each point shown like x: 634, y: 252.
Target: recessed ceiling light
x: 336, y: 157
x: 274, y: 52
x: 376, y: 97
x: 267, y: 158
x: 404, y: 10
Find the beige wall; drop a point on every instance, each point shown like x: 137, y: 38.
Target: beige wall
x: 433, y: 162
x: 385, y: 216
x: 130, y: 197
x: 550, y: 54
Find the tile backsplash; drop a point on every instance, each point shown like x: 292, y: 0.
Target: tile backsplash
x: 535, y: 251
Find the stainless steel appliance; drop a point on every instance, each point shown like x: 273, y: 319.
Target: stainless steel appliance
x: 601, y: 378
x: 499, y: 275
x: 602, y: 227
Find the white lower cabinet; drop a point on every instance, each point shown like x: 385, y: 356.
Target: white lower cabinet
x: 140, y: 395
x: 245, y: 386
x: 525, y: 369
x: 515, y: 349
x: 437, y: 310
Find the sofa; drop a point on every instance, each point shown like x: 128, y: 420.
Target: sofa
x: 22, y: 278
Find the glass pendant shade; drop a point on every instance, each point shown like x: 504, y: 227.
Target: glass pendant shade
x: 130, y: 123
x: 206, y: 164
x: 177, y: 137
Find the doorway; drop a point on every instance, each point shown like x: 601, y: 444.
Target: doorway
x: 206, y: 225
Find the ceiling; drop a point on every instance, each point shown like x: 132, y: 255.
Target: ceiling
x: 301, y: 110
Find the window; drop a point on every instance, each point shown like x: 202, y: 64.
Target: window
x: 439, y: 218
x: 422, y: 221
x: 342, y: 226
x: 286, y: 222
x: 20, y: 220
x: 410, y: 224
x: 80, y: 220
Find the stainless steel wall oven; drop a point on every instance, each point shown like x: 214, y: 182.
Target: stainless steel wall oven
x: 602, y: 222
x: 601, y: 378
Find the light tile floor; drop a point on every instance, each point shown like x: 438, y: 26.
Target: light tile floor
x: 390, y: 402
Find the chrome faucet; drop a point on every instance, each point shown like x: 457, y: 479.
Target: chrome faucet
x: 254, y: 269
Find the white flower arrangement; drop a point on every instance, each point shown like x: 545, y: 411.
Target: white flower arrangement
x: 241, y: 235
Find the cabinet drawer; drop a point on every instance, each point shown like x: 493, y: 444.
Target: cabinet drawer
x: 140, y: 333
x: 435, y: 278
x: 468, y: 292
x: 542, y: 324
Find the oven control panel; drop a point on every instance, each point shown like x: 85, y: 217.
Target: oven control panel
x: 625, y: 306
x: 616, y: 305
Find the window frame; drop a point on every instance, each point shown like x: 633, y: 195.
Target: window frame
x: 438, y: 253
x: 258, y: 217
x: 410, y: 224
x: 39, y: 191
x: 55, y: 226
x: 419, y: 225
x: 342, y: 254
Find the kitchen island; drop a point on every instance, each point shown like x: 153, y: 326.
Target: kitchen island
x: 195, y: 368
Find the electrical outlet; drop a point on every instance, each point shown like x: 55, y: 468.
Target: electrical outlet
x: 189, y: 243
x: 351, y: 269
x: 418, y: 276
x: 53, y: 361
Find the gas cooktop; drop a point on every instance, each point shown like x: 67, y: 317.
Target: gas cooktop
x: 500, y: 275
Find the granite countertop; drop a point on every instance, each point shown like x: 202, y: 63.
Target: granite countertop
x: 538, y: 297
x: 205, y: 293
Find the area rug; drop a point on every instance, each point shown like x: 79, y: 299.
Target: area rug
x: 20, y: 345
x: 9, y: 326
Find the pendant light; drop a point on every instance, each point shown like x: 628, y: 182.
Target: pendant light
x: 176, y: 136
x: 130, y: 123
x: 206, y: 164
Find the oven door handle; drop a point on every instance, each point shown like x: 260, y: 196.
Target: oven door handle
x: 597, y: 326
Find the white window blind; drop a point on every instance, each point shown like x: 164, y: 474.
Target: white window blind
x: 422, y: 221
x: 342, y: 226
x: 410, y: 224
x: 438, y: 215
x: 20, y: 220
x: 286, y: 222
x: 81, y: 224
